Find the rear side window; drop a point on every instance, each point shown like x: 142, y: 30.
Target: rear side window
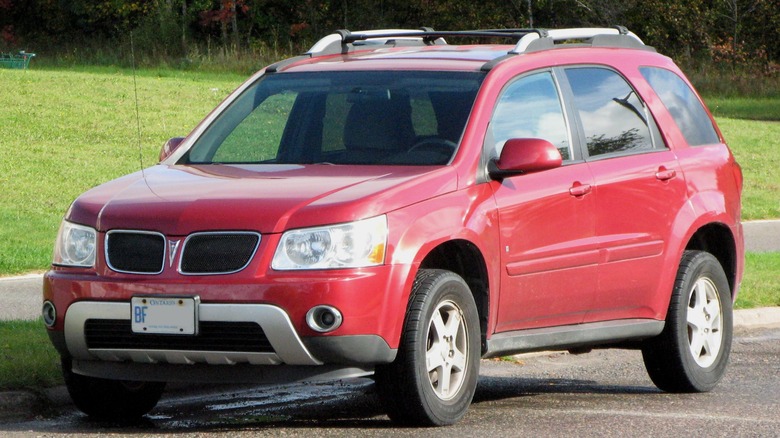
x: 682, y: 103
x: 613, y: 118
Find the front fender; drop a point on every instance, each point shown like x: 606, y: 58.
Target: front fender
x: 417, y: 230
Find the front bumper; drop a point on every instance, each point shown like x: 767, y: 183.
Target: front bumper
x: 94, y: 312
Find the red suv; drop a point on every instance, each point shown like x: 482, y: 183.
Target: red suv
x: 394, y: 205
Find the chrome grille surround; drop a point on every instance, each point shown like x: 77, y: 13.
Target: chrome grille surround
x: 218, y: 252
x: 144, y: 252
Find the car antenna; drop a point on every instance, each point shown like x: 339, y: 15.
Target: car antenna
x: 137, y: 112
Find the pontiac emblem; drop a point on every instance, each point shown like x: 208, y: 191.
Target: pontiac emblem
x: 173, y: 246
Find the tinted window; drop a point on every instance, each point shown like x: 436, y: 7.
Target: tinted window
x: 685, y: 108
x: 530, y: 108
x: 613, y: 118
x: 404, y: 118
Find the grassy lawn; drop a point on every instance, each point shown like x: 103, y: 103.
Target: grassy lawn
x: 27, y: 358
x: 761, y: 283
x: 63, y: 132
x: 745, y: 108
x: 756, y: 145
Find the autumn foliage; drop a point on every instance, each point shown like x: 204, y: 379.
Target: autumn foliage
x: 729, y: 31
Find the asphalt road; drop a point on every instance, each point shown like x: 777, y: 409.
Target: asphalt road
x: 20, y: 297
x: 605, y: 393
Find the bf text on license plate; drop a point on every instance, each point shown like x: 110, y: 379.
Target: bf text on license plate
x: 164, y: 315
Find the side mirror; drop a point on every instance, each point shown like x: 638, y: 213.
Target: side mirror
x: 170, y: 147
x: 525, y: 155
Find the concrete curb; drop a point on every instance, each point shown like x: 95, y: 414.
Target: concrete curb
x: 16, y: 406
x: 757, y: 318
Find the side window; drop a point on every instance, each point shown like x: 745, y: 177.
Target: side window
x: 682, y: 103
x: 531, y: 108
x: 613, y: 118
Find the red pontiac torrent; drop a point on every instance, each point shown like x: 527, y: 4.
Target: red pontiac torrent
x: 392, y: 204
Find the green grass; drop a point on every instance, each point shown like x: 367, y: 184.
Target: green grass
x: 756, y: 146
x: 27, y: 358
x: 63, y: 132
x: 745, y: 108
x: 761, y: 283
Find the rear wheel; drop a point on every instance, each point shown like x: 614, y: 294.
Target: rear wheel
x: 433, y: 379
x: 692, y: 352
x: 112, y: 400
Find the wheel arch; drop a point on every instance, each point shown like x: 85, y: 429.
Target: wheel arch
x: 718, y: 240
x: 465, y: 259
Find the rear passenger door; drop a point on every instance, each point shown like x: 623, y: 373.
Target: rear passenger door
x: 638, y: 186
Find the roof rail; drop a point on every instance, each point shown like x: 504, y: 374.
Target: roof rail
x: 538, y: 41
x: 339, y: 41
x: 528, y: 40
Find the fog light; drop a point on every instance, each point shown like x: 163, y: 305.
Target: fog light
x: 49, y: 314
x: 323, y: 319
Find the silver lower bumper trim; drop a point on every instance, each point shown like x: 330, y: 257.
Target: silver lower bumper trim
x: 276, y: 324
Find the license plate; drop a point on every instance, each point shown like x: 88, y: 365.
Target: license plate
x: 164, y: 315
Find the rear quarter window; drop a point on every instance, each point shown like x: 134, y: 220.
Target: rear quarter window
x: 681, y: 102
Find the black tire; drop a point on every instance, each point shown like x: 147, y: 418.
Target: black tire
x: 692, y: 352
x: 413, y: 394
x: 111, y: 400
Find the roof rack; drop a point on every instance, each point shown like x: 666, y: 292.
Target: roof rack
x: 528, y: 40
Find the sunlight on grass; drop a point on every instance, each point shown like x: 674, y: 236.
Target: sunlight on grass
x: 745, y: 108
x: 27, y: 358
x: 761, y: 283
x: 755, y: 146
x: 64, y: 132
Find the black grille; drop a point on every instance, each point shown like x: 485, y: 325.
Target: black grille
x: 117, y: 334
x: 135, y: 252
x: 218, y: 253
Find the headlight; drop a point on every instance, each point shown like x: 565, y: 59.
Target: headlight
x: 75, y: 245
x: 354, y: 245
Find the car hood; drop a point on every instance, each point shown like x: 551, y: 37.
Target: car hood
x: 179, y: 200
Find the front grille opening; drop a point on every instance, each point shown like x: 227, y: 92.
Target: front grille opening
x: 135, y: 252
x: 218, y: 253
x: 117, y: 334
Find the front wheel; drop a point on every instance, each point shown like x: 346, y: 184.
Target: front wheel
x: 433, y: 379
x: 111, y: 400
x: 692, y: 352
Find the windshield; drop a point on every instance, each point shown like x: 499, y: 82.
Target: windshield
x: 387, y: 117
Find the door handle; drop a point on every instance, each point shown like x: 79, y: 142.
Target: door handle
x: 578, y: 189
x: 665, y: 174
